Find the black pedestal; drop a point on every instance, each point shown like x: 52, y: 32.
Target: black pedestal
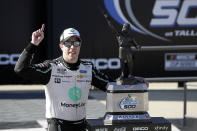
x: 157, y: 124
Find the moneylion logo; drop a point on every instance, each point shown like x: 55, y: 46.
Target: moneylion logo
x: 75, y: 93
x: 161, y: 19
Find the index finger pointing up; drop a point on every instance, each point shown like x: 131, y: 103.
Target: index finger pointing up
x: 42, y: 28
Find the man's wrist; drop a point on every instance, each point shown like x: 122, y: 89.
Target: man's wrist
x: 31, y: 48
x: 35, y: 43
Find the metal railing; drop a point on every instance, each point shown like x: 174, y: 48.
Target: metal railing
x: 166, y: 48
x: 172, y: 79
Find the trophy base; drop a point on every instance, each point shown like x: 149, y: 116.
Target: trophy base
x: 121, y: 118
x: 156, y: 124
x: 127, y: 80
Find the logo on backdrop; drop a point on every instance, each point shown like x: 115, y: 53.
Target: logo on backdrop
x: 103, y: 63
x: 8, y: 59
x: 163, y: 19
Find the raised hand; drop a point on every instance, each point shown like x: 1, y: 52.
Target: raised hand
x: 38, y: 36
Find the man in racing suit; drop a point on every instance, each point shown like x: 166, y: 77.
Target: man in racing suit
x: 67, y: 80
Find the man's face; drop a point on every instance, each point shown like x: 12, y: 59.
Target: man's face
x: 70, y: 53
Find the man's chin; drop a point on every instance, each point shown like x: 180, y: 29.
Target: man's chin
x: 73, y: 58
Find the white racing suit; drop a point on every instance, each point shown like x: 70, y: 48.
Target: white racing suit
x: 67, y: 87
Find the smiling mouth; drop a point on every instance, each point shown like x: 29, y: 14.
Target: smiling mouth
x: 72, y: 53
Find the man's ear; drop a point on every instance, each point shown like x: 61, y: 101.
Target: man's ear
x: 61, y: 46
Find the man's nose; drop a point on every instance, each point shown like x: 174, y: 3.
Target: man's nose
x: 73, y: 47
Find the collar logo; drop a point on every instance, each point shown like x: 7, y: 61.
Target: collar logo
x: 61, y: 71
x: 75, y: 93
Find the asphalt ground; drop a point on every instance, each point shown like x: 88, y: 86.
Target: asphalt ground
x: 22, y: 107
